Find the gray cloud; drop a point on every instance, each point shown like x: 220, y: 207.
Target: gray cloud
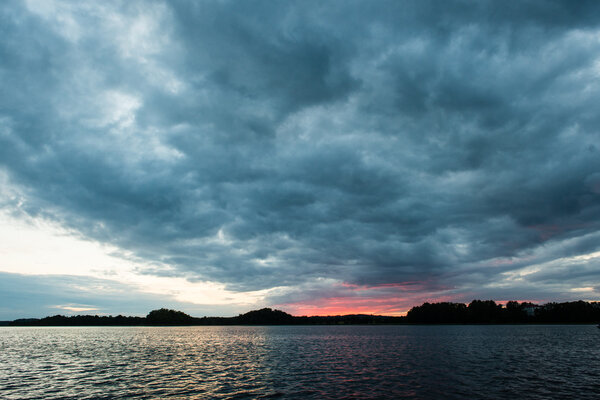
x: 263, y: 145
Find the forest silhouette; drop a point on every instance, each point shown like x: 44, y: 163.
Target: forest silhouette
x: 476, y: 312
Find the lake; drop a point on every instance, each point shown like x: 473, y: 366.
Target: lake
x: 303, y: 362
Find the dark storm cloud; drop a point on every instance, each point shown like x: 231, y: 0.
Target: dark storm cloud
x: 267, y: 144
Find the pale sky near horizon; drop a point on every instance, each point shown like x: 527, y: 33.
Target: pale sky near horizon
x: 317, y: 157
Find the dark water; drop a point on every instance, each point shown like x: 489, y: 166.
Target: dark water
x: 421, y: 362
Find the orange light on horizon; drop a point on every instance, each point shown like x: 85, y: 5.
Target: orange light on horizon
x: 387, y: 306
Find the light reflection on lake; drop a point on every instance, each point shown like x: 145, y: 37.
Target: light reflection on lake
x: 451, y: 362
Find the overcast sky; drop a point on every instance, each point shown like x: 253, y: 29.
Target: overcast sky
x: 317, y: 157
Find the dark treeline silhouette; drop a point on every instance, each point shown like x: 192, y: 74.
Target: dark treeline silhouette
x: 265, y: 316
x: 80, y: 320
x: 477, y: 312
x: 488, y: 312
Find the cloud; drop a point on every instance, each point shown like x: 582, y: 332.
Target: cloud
x: 37, y: 296
x: 270, y: 145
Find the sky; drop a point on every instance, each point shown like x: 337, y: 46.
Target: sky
x: 316, y: 157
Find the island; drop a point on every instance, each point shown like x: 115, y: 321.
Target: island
x: 476, y: 312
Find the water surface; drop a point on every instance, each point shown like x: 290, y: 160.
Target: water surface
x: 239, y: 362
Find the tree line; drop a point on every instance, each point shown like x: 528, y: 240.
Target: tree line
x: 489, y: 312
x: 476, y: 312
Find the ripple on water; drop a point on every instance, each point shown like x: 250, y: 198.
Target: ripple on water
x: 451, y: 362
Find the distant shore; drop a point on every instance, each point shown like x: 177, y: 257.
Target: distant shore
x: 477, y: 312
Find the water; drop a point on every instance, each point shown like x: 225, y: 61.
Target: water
x: 420, y: 362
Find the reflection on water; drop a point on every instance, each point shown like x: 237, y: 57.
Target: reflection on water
x: 451, y: 362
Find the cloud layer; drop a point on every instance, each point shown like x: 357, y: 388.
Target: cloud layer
x: 35, y: 296
x: 312, y: 147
